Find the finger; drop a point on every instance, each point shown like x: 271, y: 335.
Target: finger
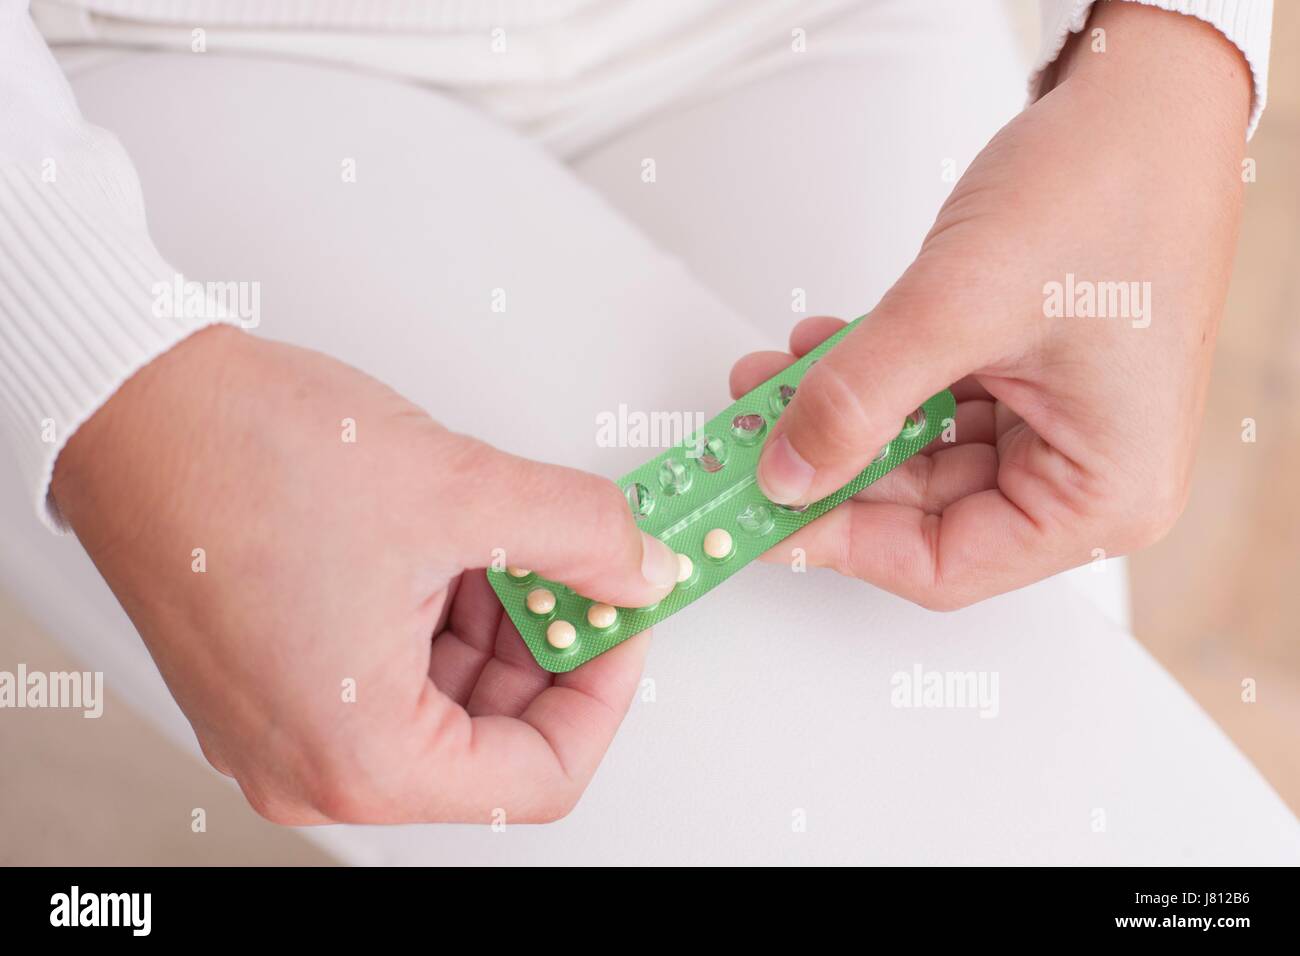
x: 974, y: 422
x: 1005, y: 419
x: 969, y: 389
x: 481, y: 769
x: 463, y: 648
x: 581, y: 713
x: 213, y: 757
x: 567, y: 525
x: 812, y: 332
x: 511, y: 679
x: 752, y: 370
x: 983, y: 544
x: 930, y: 483
x: 855, y: 399
x: 289, y: 811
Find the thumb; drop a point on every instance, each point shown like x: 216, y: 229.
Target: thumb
x: 854, y: 400
x: 567, y: 525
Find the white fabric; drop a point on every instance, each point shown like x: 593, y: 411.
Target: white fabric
x: 79, y: 270
x: 772, y: 699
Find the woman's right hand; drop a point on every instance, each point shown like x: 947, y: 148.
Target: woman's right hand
x: 312, y: 601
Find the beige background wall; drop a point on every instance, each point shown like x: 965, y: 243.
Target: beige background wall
x: 1218, y: 601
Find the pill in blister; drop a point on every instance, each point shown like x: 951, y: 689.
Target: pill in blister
x: 561, y: 634
x: 601, y: 616
x: 717, y: 544
x: 702, y: 499
x: 540, y: 601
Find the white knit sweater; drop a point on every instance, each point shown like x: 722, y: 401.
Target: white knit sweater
x: 80, y: 280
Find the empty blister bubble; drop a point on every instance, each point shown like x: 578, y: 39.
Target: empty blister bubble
x: 782, y: 396
x: 712, y: 454
x: 700, y: 498
x: 914, y: 424
x: 674, y: 477
x: 756, y: 519
x: 639, y: 500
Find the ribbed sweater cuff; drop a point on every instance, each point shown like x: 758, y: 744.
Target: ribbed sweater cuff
x: 82, y: 308
x: 1247, y: 23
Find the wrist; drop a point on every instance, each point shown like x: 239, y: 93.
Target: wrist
x: 1167, y: 71
x: 133, y: 443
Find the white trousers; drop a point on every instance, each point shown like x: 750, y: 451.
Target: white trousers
x: 766, y: 729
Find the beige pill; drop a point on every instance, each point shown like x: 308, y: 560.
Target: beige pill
x: 602, y: 616
x: 518, y: 572
x: 561, y: 634
x: 685, y: 568
x: 541, y: 601
x: 717, y: 543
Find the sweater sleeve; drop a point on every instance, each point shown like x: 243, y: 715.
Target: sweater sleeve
x: 84, y: 297
x: 1247, y: 23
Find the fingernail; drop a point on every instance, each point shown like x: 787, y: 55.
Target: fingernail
x: 783, y: 475
x: 658, y: 562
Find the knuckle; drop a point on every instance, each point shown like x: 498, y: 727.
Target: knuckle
x: 609, y: 507
x: 466, y: 457
x: 832, y: 411
x: 558, y: 804
x: 467, y: 469
x: 1158, y: 522
x: 942, y: 600
x: 343, y: 797
x: 338, y: 801
x: 346, y: 784
x: 609, y: 515
x: 1151, y: 515
x: 269, y: 807
x: 552, y: 800
x: 214, y: 760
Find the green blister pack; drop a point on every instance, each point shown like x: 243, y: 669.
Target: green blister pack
x: 702, y: 500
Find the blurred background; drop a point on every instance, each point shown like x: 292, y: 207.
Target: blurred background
x: 1216, y: 603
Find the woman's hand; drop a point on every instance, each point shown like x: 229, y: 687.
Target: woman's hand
x: 331, y: 644
x: 1076, y: 426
